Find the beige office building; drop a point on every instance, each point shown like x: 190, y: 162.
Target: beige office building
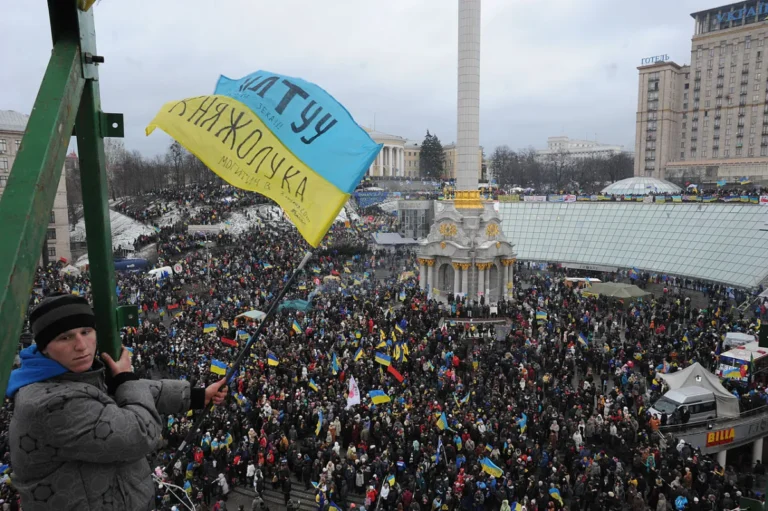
x: 708, y: 121
x: 12, y: 126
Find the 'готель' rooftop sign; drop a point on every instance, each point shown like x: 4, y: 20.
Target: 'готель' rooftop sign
x: 653, y: 60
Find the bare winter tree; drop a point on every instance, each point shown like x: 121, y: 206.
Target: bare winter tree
x: 175, y: 158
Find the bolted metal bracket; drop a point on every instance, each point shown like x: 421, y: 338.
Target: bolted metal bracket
x: 127, y: 315
x: 111, y: 125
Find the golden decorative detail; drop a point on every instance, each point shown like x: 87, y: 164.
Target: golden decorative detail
x: 483, y: 266
x: 465, y: 266
x: 425, y: 261
x: 448, y: 230
x: 468, y: 199
x: 456, y: 266
x: 442, y: 244
x: 492, y: 230
x: 430, y: 262
x: 508, y: 262
x: 498, y: 244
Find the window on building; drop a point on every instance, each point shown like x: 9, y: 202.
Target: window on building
x: 709, y: 72
x: 706, y: 122
x: 686, y: 86
x: 756, y: 86
x: 730, y: 100
x: 3, y: 181
x: 726, y: 153
x: 759, y: 43
x: 711, y: 52
x: 715, y: 153
x: 52, y: 233
x: 747, y: 41
x: 743, y: 89
x: 751, y: 151
x: 699, y: 53
x: 51, y: 251
x: 3, y: 164
x: 52, y: 219
x: 18, y: 144
x: 752, y: 130
x: 751, y: 140
x: 3, y: 145
x: 738, y: 151
x: 682, y: 155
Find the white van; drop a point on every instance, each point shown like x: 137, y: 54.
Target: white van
x: 160, y: 273
x: 699, y: 401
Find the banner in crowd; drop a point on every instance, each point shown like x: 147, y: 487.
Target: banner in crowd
x: 509, y: 198
x: 764, y: 200
x: 366, y: 199
x: 279, y: 136
x: 535, y: 198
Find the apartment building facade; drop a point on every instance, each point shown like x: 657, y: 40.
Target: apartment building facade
x: 12, y: 126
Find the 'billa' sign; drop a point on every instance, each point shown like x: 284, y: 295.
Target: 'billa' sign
x: 724, y: 436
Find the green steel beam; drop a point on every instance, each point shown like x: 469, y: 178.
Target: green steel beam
x: 28, y: 198
x: 93, y: 180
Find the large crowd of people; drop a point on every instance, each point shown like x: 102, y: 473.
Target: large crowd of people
x: 534, y: 413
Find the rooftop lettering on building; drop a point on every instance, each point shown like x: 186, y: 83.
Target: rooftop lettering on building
x: 739, y: 14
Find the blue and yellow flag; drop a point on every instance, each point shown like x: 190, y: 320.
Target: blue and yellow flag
x: 442, y: 422
x: 272, y: 359
x: 399, y: 330
x: 391, y: 480
x: 334, y: 364
x: 541, y: 315
x: 319, y: 422
x: 358, y: 354
x: 283, y: 137
x: 209, y: 327
x: 296, y: 327
x: 555, y: 494
x: 312, y: 384
x: 218, y: 367
x: 378, y: 397
x: 490, y: 468
x: 382, y: 359
x: 242, y: 335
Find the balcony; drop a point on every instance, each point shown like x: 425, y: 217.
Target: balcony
x: 653, y: 79
x: 650, y: 158
x: 651, y: 128
x: 744, y: 81
x: 651, y: 137
x: 745, y: 71
x: 716, y: 136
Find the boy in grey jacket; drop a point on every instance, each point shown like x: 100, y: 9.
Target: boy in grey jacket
x: 76, y: 444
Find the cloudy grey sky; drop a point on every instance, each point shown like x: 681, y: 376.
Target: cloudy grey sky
x: 548, y: 68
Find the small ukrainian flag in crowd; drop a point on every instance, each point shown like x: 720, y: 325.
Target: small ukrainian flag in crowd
x: 378, y: 397
x: 312, y: 384
x: 218, y: 367
x: 382, y: 359
x: 491, y: 468
x: 296, y: 327
x: 555, y: 494
x: 272, y: 359
x: 540, y: 314
x: 209, y: 327
x: 358, y: 354
x: 391, y: 480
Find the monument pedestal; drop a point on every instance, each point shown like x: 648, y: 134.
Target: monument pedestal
x: 466, y: 252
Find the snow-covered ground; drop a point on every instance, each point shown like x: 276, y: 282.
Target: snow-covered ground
x: 125, y: 230
x: 389, y: 206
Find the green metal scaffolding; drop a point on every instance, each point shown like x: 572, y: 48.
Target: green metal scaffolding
x: 68, y: 100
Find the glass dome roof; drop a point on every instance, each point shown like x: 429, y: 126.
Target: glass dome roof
x: 641, y: 186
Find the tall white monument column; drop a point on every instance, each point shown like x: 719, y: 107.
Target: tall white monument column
x: 422, y: 275
x: 468, y: 127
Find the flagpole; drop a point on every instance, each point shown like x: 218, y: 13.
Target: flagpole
x: 240, y: 356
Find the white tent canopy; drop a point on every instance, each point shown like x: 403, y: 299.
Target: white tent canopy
x: 697, y: 376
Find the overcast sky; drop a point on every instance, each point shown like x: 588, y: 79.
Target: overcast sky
x: 560, y: 67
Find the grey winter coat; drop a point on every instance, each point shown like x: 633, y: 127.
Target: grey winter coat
x: 75, y: 447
